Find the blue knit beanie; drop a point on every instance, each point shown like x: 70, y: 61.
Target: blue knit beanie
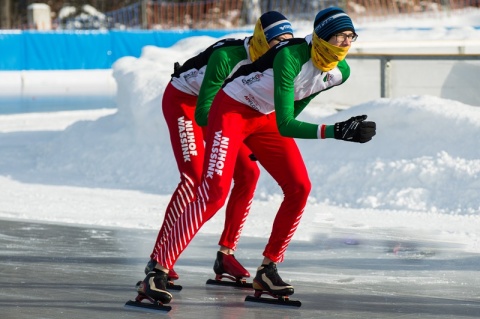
x: 274, y: 24
x: 331, y: 21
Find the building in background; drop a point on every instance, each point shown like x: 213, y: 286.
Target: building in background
x: 39, y: 16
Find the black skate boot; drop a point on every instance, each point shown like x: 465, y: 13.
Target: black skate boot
x: 227, y: 266
x: 268, y: 281
x: 154, y: 287
x: 172, y: 275
x: 150, y: 266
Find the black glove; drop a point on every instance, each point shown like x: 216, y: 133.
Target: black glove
x: 356, y: 129
x: 176, y: 70
x: 176, y: 67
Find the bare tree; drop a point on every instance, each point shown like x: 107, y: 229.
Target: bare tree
x: 5, y: 14
x: 251, y: 11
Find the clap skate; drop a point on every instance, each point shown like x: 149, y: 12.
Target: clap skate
x: 172, y: 275
x: 227, y: 266
x: 153, y: 289
x: 268, y: 281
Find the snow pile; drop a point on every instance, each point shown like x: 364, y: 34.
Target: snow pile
x: 424, y: 156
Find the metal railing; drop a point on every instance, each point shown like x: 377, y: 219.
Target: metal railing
x: 386, y: 64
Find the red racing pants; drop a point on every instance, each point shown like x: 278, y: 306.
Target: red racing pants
x: 187, y: 139
x: 231, y: 125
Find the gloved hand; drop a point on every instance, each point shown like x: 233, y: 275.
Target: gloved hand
x: 356, y: 129
x: 176, y: 67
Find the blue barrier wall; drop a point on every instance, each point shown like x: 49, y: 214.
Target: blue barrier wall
x: 71, y: 50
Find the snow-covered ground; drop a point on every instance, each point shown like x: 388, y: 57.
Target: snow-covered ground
x: 419, y: 177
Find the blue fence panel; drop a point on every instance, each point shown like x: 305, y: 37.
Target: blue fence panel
x: 12, y: 51
x: 72, y: 50
x: 131, y: 43
x: 67, y: 50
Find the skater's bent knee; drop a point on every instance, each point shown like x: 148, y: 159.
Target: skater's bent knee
x: 299, y: 189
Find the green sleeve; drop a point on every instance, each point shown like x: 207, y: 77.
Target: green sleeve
x: 301, y: 104
x: 287, y: 66
x: 345, y: 69
x: 220, y: 64
x: 286, y: 108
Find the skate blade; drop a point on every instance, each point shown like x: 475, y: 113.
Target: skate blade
x: 274, y: 301
x: 172, y: 286
x: 149, y: 307
x: 234, y: 284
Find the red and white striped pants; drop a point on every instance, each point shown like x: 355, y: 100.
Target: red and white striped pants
x: 230, y: 126
x: 187, y: 139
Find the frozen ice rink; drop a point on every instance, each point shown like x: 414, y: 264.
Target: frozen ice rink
x: 392, y: 228
x: 58, y: 271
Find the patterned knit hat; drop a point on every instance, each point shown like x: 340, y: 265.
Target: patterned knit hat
x: 274, y: 24
x: 331, y: 21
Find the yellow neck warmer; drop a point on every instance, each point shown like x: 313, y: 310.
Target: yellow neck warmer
x: 258, y: 43
x: 325, y: 56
